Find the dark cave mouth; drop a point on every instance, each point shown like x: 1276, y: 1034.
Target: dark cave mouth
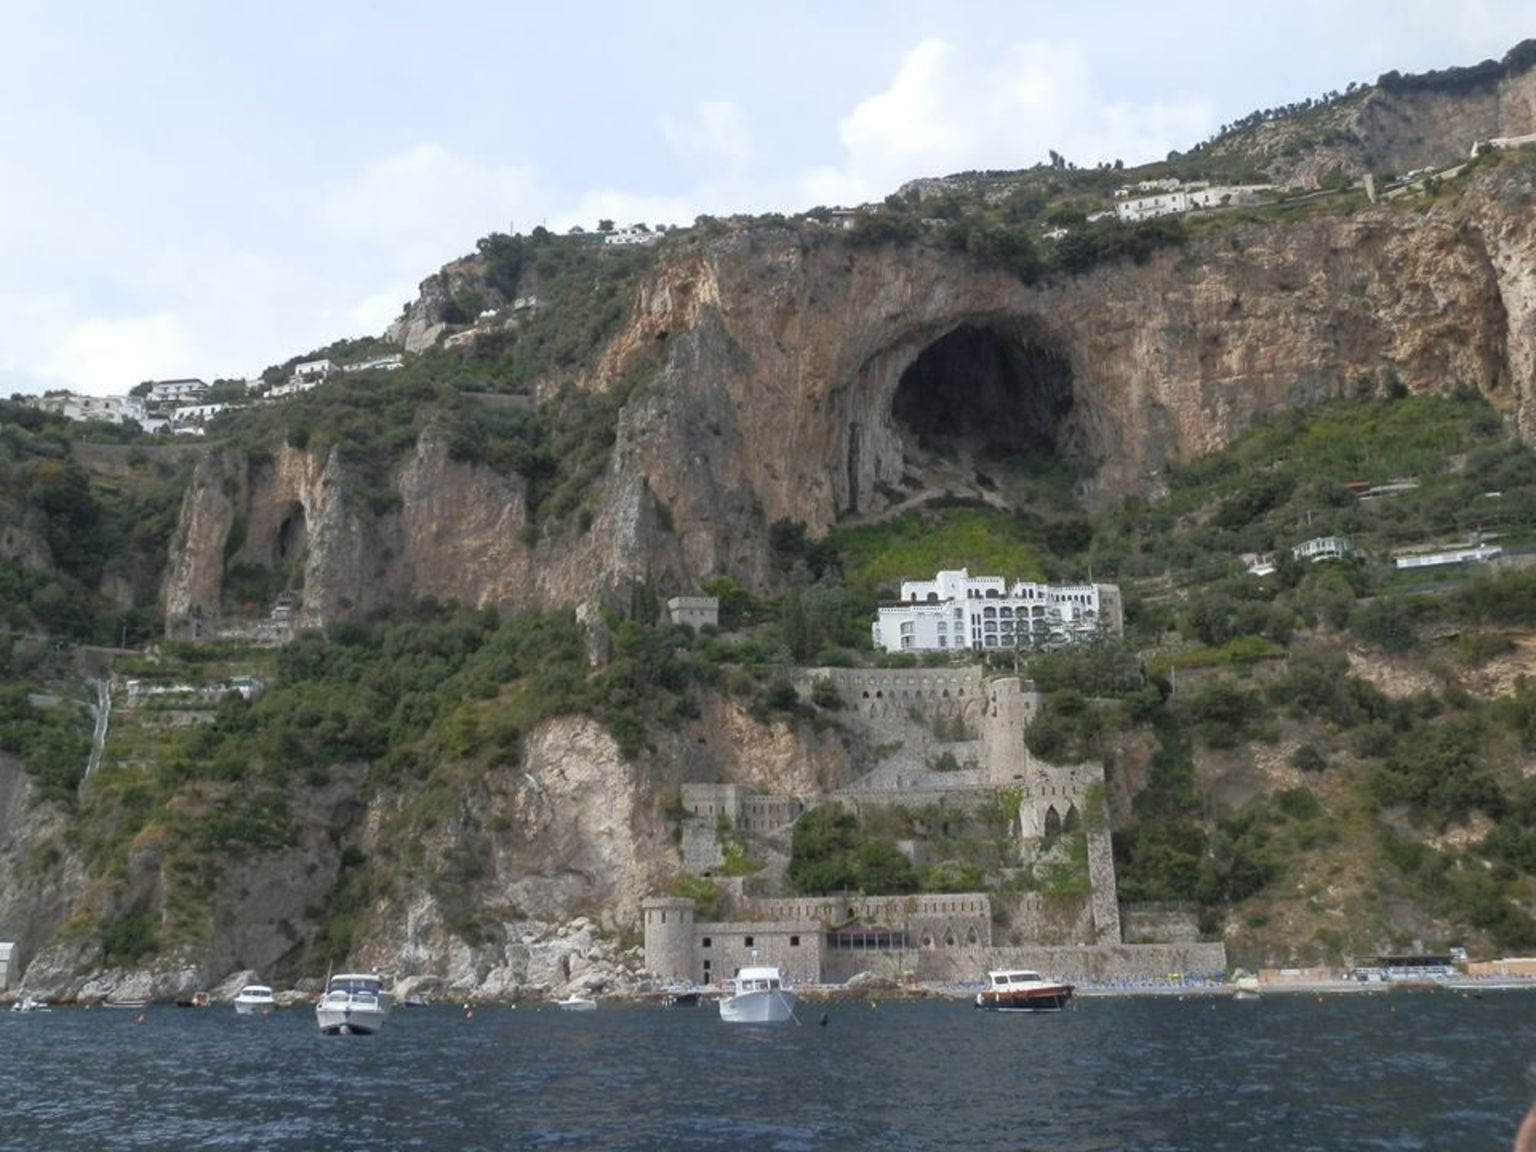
x: 988, y: 394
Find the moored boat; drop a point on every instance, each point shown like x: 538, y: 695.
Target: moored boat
x: 255, y: 1000
x: 30, y: 1004
x: 757, y: 996
x: 575, y: 1003
x: 354, y: 1004
x: 680, y: 996
x: 1022, y: 990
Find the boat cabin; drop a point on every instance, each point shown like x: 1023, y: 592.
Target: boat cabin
x: 1014, y: 977
x: 757, y: 980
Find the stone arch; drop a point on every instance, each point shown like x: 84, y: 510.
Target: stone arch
x: 949, y: 938
x: 971, y: 937
x: 1072, y: 820
x: 927, y: 941
x: 1052, y: 823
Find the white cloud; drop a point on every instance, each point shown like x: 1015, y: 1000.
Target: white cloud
x: 429, y: 204
x: 950, y: 109
x: 718, y: 135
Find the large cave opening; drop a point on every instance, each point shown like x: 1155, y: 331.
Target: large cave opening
x: 990, y: 395
x: 983, y: 411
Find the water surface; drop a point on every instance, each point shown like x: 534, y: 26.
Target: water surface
x: 1389, y: 1071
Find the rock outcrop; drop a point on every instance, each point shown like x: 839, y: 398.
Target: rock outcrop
x: 1396, y: 128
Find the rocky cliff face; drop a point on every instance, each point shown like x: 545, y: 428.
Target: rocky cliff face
x: 781, y: 395
x: 41, y: 876
x: 521, y: 883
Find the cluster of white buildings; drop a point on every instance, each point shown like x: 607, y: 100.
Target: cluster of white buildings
x: 179, y: 406
x: 1169, y: 197
x: 308, y: 373
x: 170, y: 406
x: 956, y: 610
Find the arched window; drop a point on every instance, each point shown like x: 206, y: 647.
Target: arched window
x: 1052, y: 822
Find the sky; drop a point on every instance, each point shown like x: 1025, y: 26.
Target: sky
x: 203, y: 189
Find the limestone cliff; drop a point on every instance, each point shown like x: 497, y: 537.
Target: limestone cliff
x: 786, y: 356
x: 518, y: 882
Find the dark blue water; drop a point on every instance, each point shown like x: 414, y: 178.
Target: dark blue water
x: 1391, y: 1071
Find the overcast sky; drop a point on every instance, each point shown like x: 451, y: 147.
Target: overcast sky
x: 203, y: 188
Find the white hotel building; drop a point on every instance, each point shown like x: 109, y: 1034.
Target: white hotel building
x: 958, y: 610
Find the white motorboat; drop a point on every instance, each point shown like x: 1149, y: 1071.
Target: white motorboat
x: 255, y: 1000
x: 28, y: 1004
x: 757, y: 996
x: 354, y: 1004
x: 1023, y: 990
x: 575, y: 1003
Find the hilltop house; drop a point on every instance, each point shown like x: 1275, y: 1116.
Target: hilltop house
x: 177, y: 391
x: 956, y: 610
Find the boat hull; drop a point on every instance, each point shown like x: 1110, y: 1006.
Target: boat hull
x: 1035, y: 1000
x: 774, y: 1006
x: 254, y: 1007
x: 352, y: 1021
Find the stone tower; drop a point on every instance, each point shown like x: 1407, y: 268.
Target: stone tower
x: 669, y: 937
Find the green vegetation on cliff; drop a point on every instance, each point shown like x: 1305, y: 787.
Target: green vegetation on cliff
x: 105, y: 521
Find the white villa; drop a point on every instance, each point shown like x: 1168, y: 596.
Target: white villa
x: 958, y: 610
x: 377, y: 364
x: 176, y: 391
x: 631, y: 236
x: 111, y: 409
x: 1189, y: 199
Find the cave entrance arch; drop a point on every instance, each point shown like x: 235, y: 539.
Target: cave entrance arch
x: 292, y: 537
x: 983, y: 399
x: 990, y: 389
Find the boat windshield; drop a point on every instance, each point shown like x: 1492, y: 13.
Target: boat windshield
x: 355, y: 986
x: 1000, y: 979
x: 255, y: 990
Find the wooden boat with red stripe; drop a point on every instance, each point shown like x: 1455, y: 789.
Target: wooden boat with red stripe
x: 1022, y: 990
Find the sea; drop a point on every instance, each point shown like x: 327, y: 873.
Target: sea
x: 1394, y: 1070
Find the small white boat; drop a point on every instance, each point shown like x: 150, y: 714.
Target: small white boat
x: 28, y: 1004
x: 757, y: 996
x: 575, y: 1003
x: 1023, y: 990
x: 131, y: 1005
x: 255, y: 1000
x: 354, y: 1004
x: 1246, y: 988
